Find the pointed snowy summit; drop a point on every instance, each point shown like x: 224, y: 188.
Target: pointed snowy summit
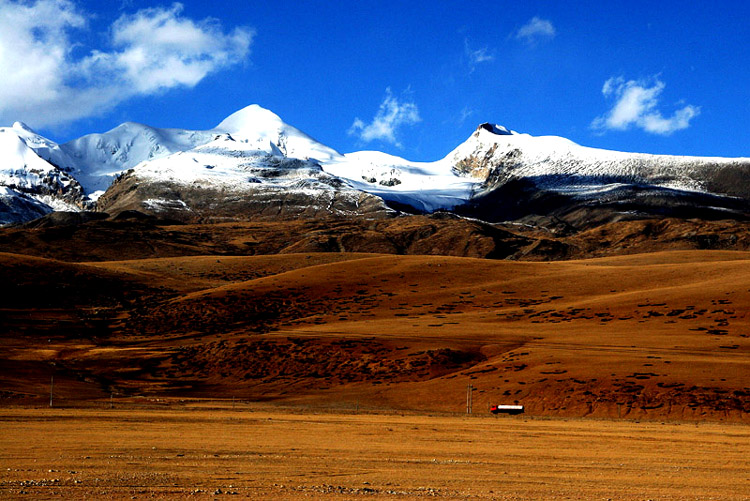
x: 255, y: 124
x: 249, y: 118
x: 22, y: 127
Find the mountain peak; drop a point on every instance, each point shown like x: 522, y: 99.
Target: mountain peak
x: 22, y: 127
x: 495, y: 129
x: 251, y: 117
x: 264, y: 127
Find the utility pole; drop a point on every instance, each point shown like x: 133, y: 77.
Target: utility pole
x: 51, y: 388
x: 469, y: 390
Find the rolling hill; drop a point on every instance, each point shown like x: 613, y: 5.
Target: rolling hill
x: 659, y: 335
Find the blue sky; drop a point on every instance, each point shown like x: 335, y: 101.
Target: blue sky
x: 410, y: 78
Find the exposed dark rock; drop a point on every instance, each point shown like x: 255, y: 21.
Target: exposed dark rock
x: 195, y: 203
x: 61, y: 218
x: 21, y: 208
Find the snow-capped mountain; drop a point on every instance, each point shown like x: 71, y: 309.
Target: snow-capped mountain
x: 31, y: 186
x: 96, y: 159
x: 498, y: 174
x: 242, y: 150
x: 493, y: 157
x: 523, y: 175
x: 253, y: 164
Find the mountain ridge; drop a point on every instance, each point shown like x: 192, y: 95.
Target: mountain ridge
x: 254, y: 164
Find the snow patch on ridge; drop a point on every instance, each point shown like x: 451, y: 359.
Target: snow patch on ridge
x: 428, y: 186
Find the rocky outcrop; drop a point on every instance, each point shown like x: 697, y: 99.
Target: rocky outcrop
x: 196, y: 202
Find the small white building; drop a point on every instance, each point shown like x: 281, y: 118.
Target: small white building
x: 507, y: 409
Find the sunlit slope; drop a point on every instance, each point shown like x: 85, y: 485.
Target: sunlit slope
x: 645, y: 331
x: 660, y: 335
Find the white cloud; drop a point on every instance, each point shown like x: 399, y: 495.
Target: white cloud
x: 466, y: 112
x: 33, y: 45
x: 636, y: 104
x: 477, y: 56
x: 535, y: 30
x: 391, y: 115
x: 151, y: 51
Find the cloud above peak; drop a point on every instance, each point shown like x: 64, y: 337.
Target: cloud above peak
x: 636, y: 105
x: 150, y: 51
x: 391, y: 116
x: 477, y: 56
x: 159, y: 49
x: 536, y: 29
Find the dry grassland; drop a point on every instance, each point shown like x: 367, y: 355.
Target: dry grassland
x: 663, y: 338
x: 653, y: 336
x: 266, y: 453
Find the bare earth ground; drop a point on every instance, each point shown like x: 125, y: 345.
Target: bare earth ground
x: 249, y: 451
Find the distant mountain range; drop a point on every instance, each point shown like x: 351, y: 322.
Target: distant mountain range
x: 253, y: 165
